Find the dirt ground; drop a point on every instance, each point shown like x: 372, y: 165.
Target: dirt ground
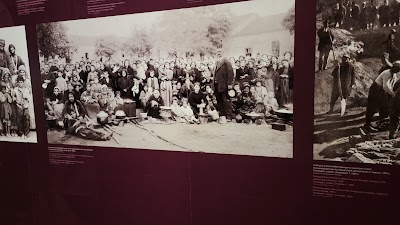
x: 332, y: 132
x: 31, y: 138
x: 231, y: 138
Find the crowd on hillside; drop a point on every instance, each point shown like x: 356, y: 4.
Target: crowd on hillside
x: 185, y: 85
x: 16, y: 103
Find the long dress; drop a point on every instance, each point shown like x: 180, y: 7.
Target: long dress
x: 166, y: 86
x: 5, y: 109
x: 268, y: 76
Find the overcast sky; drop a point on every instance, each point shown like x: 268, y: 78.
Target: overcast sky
x: 107, y: 25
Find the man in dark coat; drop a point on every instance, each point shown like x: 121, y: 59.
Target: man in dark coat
x: 223, y: 82
x: 5, y: 60
x: 384, y: 14
x: 395, y: 13
x: 15, y: 59
x: 343, y: 81
x: 325, y: 45
x: 48, y: 80
x: 355, y: 15
x: 363, y: 16
x: 372, y: 15
x: 339, y: 13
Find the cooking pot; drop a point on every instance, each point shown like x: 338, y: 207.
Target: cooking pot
x: 102, y: 118
x: 120, y: 114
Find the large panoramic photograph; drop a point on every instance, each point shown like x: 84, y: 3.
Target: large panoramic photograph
x: 215, y: 79
x: 357, y: 95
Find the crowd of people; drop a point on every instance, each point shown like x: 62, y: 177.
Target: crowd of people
x: 16, y: 104
x: 222, y: 88
x: 351, y: 16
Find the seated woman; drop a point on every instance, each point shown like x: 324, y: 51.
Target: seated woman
x: 124, y: 85
x: 153, y: 105
x: 73, y: 111
x: 75, y: 122
x: 145, y: 95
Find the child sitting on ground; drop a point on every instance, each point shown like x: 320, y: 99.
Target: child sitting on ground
x: 118, y: 99
x: 176, y: 110
x: 271, y: 103
x: 187, y: 112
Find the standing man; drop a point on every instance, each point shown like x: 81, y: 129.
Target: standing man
x: 15, y: 59
x: 363, y: 16
x: 395, y: 13
x: 343, y: 81
x: 223, y: 82
x: 339, y: 13
x: 325, y: 45
x: 355, y: 15
x: 384, y: 14
x: 5, y: 60
x: 372, y: 15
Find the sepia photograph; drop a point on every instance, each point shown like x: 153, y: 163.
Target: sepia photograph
x: 17, y: 117
x: 357, y: 95
x: 216, y: 79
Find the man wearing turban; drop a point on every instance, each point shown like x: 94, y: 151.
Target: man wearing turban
x: 5, y: 61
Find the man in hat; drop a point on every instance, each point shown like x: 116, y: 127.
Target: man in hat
x: 5, y: 61
x: 343, y: 81
x: 14, y: 58
x: 22, y: 96
x: 325, y: 45
x: 223, y: 82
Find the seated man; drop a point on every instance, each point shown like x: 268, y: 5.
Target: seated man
x: 197, y: 99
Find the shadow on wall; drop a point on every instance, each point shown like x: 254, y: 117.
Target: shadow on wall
x: 6, y: 18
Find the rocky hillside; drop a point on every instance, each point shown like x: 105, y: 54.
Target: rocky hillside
x: 366, y: 71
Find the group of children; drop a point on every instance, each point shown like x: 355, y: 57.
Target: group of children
x: 15, y: 103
